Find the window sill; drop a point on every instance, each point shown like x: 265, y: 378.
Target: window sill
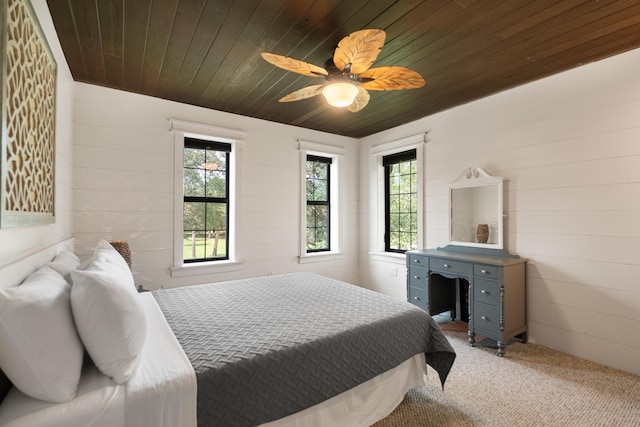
x: 201, y: 268
x: 320, y: 257
x: 393, y: 257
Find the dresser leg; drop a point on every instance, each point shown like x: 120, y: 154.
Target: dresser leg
x: 472, y: 338
x: 500, y: 348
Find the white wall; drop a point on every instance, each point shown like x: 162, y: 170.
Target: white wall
x: 18, y: 243
x: 569, y: 149
x: 123, y: 179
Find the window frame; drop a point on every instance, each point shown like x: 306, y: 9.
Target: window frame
x: 181, y: 130
x: 327, y: 161
x: 212, y: 145
x: 388, y: 161
x: 337, y: 217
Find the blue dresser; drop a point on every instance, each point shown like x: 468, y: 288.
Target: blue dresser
x: 490, y: 287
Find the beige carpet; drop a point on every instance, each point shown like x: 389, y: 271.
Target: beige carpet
x: 531, y: 386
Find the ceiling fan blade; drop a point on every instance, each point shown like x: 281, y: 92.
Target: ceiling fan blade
x: 391, y: 78
x: 361, y: 101
x: 294, y: 65
x: 304, y: 93
x: 356, y: 52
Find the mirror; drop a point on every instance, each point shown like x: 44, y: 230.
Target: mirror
x: 475, y: 209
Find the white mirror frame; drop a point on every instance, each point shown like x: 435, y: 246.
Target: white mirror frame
x: 478, y: 177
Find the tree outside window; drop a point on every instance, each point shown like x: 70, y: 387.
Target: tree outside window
x: 401, y: 202
x: 206, y: 200
x: 318, y: 206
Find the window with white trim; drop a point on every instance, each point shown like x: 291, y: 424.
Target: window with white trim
x: 321, y: 222
x: 397, y: 168
x: 206, y: 160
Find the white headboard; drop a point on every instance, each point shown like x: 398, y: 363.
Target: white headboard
x: 14, y: 272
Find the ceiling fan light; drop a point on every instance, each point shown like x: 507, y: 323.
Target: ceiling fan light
x: 340, y: 94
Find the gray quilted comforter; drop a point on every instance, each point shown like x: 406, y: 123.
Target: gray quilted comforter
x: 268, y: 347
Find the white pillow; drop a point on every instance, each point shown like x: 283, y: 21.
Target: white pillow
x: 41, y: 352
x: 107, y: 312
x: 64, y: 263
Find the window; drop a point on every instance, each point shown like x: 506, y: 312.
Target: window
x: 318, y: 185
x: 206, y: 200
x: 321, y: 222
x: 401, y: 201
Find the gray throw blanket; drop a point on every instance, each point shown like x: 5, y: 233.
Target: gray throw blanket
x: 268, y: 347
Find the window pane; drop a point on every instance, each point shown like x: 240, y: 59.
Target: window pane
x: 401, y: 209
x: 317, y: 227
x: 194, y: 182
x: 216, y: 185
x: 193, y: 216
x: 194, y: 157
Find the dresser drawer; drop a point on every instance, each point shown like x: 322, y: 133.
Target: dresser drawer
x: 417, y: 260
x: 438, y: 265
x: 417, y: 277
x: 486, y: 291
x: 418, y: 297
x: 486, y: 271
x: 486, y: 317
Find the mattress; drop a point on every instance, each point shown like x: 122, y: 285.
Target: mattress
x: 268, y: 347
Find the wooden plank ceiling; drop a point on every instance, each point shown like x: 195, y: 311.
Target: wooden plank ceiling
x: 207, y: 52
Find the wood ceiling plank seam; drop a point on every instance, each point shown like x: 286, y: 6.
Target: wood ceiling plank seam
x: 264, y: 70
x: 213, y: 16
x: 85, y: 16
x: 161, y: 24
x: 65, y: 26
x: 242, y: 53
x: 467, y: 92
x: 535, y: 19
x: 187, y: 16
x: 136, y: 22
x: 454, y: 41
x: 410, y: 27
x: 479, y: 56
x: 229, y: 31
x: 507, y: 58
x: 111, y: 21
x: 577, y: 55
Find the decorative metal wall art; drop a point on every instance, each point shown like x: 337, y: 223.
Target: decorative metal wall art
x: 28, y: 110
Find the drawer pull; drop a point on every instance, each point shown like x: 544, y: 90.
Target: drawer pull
x: 416, y: 260
x: 484, y: 318
x: 483, y: 291
x: 416, y: 277
x: 483, y: 271
x: 446, y: 266
x: 416, y: 298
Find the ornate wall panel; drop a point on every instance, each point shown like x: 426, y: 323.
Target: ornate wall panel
x: 28, y: 118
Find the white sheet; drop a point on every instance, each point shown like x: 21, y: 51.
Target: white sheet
x: 162, y: 393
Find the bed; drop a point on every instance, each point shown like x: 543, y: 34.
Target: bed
x: 283, y: 350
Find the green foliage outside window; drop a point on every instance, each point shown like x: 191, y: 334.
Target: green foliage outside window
x: 205, y: 207
x: 402, y: 205
x: 318, y: 209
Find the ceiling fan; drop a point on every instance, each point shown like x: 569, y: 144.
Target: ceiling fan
x: 348, y: 76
